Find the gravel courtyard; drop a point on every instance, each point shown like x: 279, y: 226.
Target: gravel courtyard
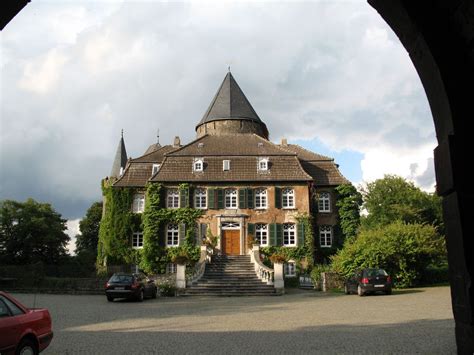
x: 302, y: 322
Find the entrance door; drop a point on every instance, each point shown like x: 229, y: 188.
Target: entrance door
x: 231, y: 242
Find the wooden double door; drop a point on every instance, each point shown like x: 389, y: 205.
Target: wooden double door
x: 231, y: 242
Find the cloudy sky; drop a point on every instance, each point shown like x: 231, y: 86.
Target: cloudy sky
x: 329, y: 75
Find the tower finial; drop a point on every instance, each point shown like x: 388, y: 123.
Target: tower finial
x: 158, y: 136
x: 228, y: 68
x: 122, y: 132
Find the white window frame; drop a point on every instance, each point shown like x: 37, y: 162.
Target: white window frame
x: 172, y: 235
x: 198, y: 165
x: 261, y: 200
x: 172, y: 198
x: 288, y: 197
x: 261, y: 234
x: 324, y: 202
x: 155, y: 169
x: 226, y: 165
x: 289, y: 235
x: 262, y: 164
x: 325, y: 236
x: 290, y: 269
x: 138, y: 205
x: 171, y: 268
x: 200, y: 198
x: 230, y: 199
x: 137, y: 240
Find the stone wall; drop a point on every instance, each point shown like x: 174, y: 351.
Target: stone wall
x: 226, y: 127
x: 330, y: 281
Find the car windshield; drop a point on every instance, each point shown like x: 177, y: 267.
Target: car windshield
x: 375, y: 272
x: 121, y: 278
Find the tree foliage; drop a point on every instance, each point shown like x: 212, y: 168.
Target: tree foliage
x: 394, y: 198
x: 403, y: 250
x: 86, y: 242
x: 31, y: 232
x: 348, y: 202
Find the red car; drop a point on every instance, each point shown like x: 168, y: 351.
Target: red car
x: 23, y: 330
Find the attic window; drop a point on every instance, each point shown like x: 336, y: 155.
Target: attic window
x: 155, y: 169
x: 200, y: 145
x: 260, y: 144
x: 121, y: 171
x: 226, y: 165
x: 198, y: 164
x: 262, y: 164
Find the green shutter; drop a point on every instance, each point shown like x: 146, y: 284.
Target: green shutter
x: 162, y: 197
x: 279, y: 234
x: 211, y: 203
x: 183, y: 198
x: 181, y: 233
x: 220, y: 199
x: 162, y: 235
x: 191, y: 196
x: 251, y: 229
x: 250, y: 198
x: 203, y: 232
x: 277, y: 197
x: 300, y: 231
x: 242, y: 198
x: 273, y: 234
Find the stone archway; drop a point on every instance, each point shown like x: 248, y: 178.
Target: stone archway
x: 439, y: 37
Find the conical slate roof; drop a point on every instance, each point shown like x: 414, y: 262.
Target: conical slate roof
x: 120, y: 159
x: 230, y: 103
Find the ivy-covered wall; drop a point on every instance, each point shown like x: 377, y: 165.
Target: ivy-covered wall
x: 119, y: 223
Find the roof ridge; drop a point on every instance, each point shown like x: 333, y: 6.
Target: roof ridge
x: 309, y: 151
x: 144, y: 155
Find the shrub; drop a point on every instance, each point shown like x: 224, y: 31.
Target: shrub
x: 166, y: 288
x: 403, y: 250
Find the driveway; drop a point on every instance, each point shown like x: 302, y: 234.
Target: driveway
x: 415, y: 321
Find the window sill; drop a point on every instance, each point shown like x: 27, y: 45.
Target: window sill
x: 290, y: 245
x: 137, y: 247
x: 325, y: 246
x: 288, y: 208
x: 172, y: 246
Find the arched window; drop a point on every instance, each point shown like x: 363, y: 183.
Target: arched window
x: 288, y: 198
x: 172, y: 235
x: 325, y: 236
x: 230, y: 198
x: 172, y: 198
x: 324, y: 202
x: 200, y: 198
x: 289, y: 234
x: 138, y: 203
x: 261, y: 234
x: 261, y: 198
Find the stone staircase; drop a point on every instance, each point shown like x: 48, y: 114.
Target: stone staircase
x: 230, y: 276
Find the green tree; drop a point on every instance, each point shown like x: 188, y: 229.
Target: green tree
x: 349, y: 201
x: 86, y: 242
x: 31, y: 232
x: 394, y: 198
x: 403, y: 250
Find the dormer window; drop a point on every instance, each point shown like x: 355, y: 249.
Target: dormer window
x: 260, y: 144
x: 198, y: 164
x: 262, y: 164
x: 155, y: 169
x: 200, y: 145
x: 226, y: 165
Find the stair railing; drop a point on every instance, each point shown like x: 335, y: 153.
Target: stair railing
x: 200, y: 267
x: 263, y: 272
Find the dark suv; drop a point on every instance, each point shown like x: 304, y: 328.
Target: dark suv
x: 369, y: 280
x: 132, y: 286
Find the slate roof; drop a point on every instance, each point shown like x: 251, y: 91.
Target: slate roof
x: 230, y: 103
x: 322, y: 169
x: 242, y: 169
x: 138, y: 171
x: 120, y: 159
x: 236, y: 145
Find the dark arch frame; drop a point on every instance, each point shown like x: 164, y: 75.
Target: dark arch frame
x: 439, y: 37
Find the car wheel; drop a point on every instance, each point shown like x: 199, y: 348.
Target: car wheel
x: 141, y: 296
x: 26, y: 347
x: 359, y: 291
x: 346, y: 290
x: 110, y: 298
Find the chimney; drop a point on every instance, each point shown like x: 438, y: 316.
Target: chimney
x: 177, y: 142
x: 284, y: 142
